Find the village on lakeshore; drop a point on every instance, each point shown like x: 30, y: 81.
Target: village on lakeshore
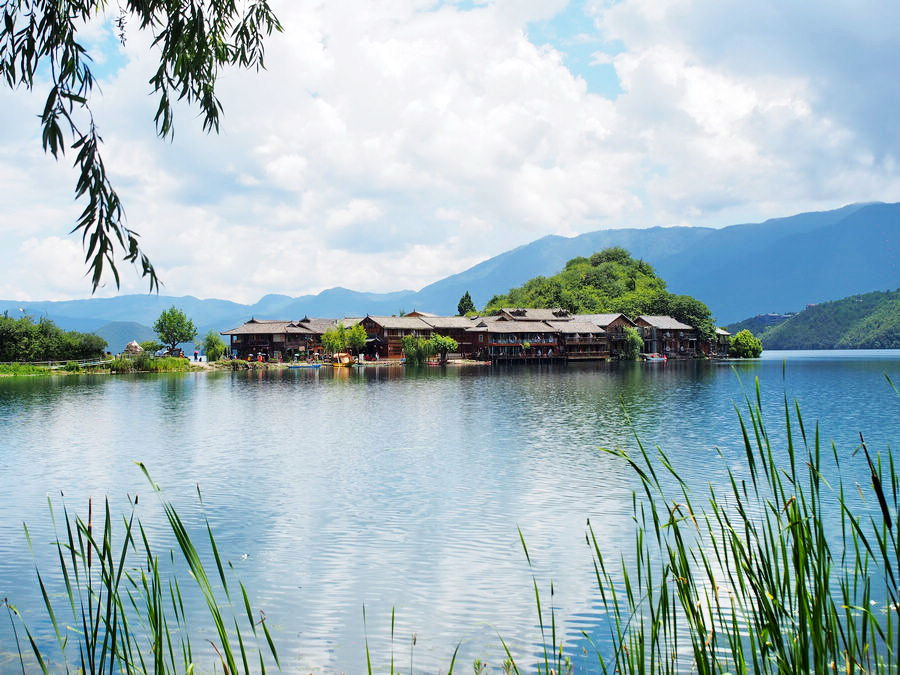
x: 512, y: 335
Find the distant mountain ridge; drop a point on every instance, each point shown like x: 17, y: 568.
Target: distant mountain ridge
x: 867, y: 321
x: 742, y: 270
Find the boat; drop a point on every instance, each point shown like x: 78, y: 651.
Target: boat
x: 305, y: 365
x: 654, y: 358
x: 342, y: 360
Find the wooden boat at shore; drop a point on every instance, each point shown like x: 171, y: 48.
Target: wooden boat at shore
x: 305, y: 365
x: 654, y: 358
x: 342, y: 360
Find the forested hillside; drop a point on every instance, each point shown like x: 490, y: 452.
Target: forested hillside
x: 608, y: 281
x: 869, y: 321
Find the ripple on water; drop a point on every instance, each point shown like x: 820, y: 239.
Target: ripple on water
x: 390, y: 491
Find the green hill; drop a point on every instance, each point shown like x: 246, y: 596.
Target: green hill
x: 869, y: 321
x: 759, y: 323
x: 608, y: 281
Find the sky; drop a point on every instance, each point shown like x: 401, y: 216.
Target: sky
x: 389, y: 144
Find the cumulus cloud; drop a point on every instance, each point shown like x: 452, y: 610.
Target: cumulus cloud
x: 390, y: 144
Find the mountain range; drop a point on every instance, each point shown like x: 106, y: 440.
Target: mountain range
x: 779, y: 265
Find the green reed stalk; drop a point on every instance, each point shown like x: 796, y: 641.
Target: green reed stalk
x: 121, y: 615
x: 749, y: 580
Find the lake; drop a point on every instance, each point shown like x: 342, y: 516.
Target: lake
x: 331, y: 491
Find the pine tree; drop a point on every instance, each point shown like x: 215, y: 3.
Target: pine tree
x: 465, y: 305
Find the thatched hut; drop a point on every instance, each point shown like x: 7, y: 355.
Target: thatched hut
x: 133, y: 348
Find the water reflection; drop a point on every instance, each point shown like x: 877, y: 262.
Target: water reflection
x: 331, y: 489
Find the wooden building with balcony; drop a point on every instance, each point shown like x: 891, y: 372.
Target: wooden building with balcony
x: 613, y: 325
x: 271, y: 338
x: 581, y: 340
x: 502, y: 340
x: 456, y: 327
x: 387, y: 333
x: 719, y: 347
x: 666, y: 335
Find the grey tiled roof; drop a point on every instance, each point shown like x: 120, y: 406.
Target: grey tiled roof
x: 536, y: 314
x: 449, y: 321
x: 407, y: 322
x: 665, y: 322
x: 602, y: 320
x: 570, y: 327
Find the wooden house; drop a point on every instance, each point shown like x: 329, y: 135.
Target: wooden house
x: 455, y: 327
x: 581, y: 340
x: 270, y: 337
x: 720, y: 345
x: 500, y: 339
x: 614, y: 327
x: 665, y: 335
x: 386, y: 333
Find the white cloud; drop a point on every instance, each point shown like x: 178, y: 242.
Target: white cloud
x: 390, y: 144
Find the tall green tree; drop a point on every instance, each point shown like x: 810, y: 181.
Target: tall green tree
x: 634, y: 344
x: 356, y: 338
x: 334, y: 340
x: 465, y: 305
x: 194, y: 40
x: 174, y: 327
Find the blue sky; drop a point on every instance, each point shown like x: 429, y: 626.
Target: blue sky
x: 391, y: 144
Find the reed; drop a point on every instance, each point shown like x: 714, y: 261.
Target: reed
x: 143, y: 363
x: 122, y: 614
x: 750, y: 577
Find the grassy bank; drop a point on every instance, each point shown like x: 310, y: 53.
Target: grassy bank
x: 780, y: 567
x: 14, y: 369
x: 142, y: 363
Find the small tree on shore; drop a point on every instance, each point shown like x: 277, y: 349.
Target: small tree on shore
x: 151, y: 346
x: 334, y: 340
x: 173, y: 327
x: 213, y: 346
x: 356, y: 338
x: 745, y: 345
x: 416, y: 349
x: 441, y: 344
x: 634, y: 343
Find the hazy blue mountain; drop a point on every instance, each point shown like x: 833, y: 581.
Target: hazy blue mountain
x: 779, y: 265
x: 119, y: 333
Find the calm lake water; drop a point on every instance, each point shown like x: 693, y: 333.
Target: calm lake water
x: 331, y: 491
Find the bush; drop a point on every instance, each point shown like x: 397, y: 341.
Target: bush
x: 416, y: 349
x: 24, y: 340
x: 213, y: 346
x: 22, y: 369
x: 745, y: 345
